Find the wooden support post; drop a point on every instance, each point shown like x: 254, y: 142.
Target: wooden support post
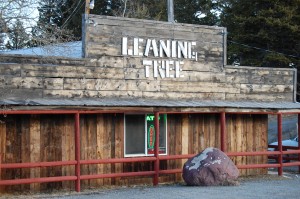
x: 77, y: 151
x: 87, y: 7
x: 298, y: 140
x: 223, y: 132
x: 279, y: 125
x: 156, y: 149
x: 0, y: 166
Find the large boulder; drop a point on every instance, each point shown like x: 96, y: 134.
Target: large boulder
x: 209, y: 168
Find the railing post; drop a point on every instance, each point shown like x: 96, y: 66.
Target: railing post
x: 0, y: 166
x: 298, y: 140
x: 223, y: 132
x: 1, y: 187
x: 77, y: 151
x: 156, y: 150
x: 279, y: 126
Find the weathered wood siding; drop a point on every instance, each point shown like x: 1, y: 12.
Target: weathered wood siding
x: 103, y: 37
x: 25, y: 81
x: 261, y: 84
x: 106, y: 72
x: 248, y: 133
x: 37, y: 138
x: 43, y: 138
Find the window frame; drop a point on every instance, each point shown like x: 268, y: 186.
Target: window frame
x: 146, y: 137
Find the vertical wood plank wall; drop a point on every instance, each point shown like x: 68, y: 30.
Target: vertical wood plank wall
x: 248, y: 133
x: 36, y: 138
x: 35, y: 148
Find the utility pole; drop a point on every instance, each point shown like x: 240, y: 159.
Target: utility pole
x: 87, y: 7
x: 170, y: 11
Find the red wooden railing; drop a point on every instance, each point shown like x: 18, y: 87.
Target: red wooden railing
x: 128, y: 174
x: 156, y: 159
x: 154, y: 173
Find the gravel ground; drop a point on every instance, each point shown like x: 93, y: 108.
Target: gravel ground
x: 267, y: 186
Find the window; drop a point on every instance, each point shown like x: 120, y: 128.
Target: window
x: 140, y: 134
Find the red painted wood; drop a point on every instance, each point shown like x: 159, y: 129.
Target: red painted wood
x: 257, y: 166
x: 37, y: 180
x: 279, y: 123
x: 156, y: 150
x: 0, y: 166
x: 254, y: 153
x: 37, y: 164
x: 170, y: 171
x: 298, y: 140
x: 290, y: 164
x: 34, y: 112
x: 156, y: 157
x: 175, y: 157
x: 118, y: 160
x: 77, y: 151
x: 116, y: 175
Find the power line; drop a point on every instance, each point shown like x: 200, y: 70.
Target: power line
x: 73, y: 13
x: 257, y: 48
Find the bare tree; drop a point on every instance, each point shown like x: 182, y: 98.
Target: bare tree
x: 3, y: 30
x: 18, y: 37
x: 16, y: 16
x: 13, y: 13
x: 132, y: 9
x: 18, y: 9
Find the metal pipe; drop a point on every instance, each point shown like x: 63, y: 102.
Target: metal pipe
x: 170, y: 11
x: 77, y: 151
x: 279, y: 123
x: 156, y: 149
x: 223, y: 132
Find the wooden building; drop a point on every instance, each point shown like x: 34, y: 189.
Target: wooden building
x: 133, y: 74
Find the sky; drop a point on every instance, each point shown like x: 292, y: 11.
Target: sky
x: 26, y: 10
